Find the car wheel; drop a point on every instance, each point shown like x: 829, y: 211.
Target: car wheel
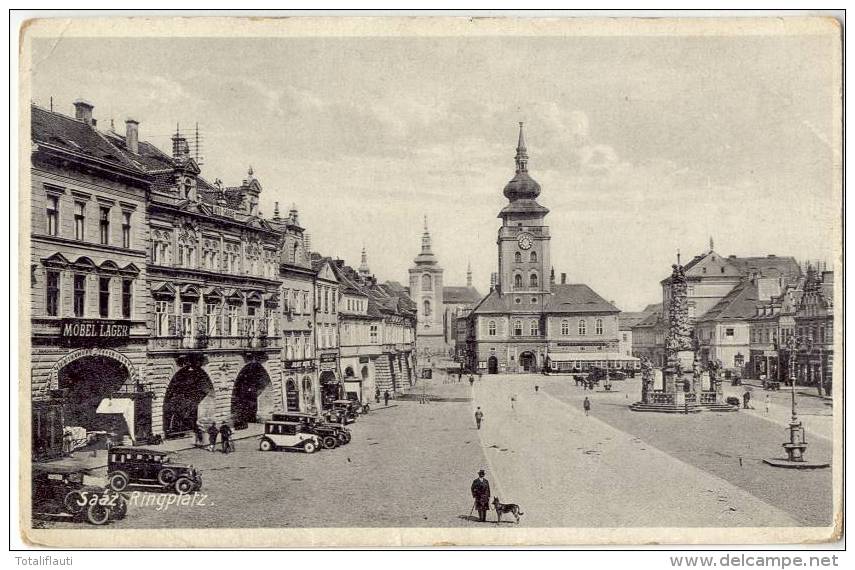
x: 347, y: 437
x: 166, y: 477
x: 266, y: 445
x: 118, y: 481
x: 329, y: 442
x: 184, y: 485
x: 97, y: 514
x: 309, y: 447
x: 342, y: 437
x: 74, y: 502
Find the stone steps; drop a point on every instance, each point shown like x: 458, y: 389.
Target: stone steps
x: 692, y: 409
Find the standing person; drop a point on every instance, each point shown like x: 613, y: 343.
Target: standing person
x: 479, y: 415
x: 459, y: 375
x: 200, y: 435
x: 536, y: 388
x: 376, y: 395
x: 225, y: 436
x: 386, y: 398
x: 471, y: 381
x: 513, y: 399
x: 746, y: 398
x: 481, y: 494
x: 212, y: 436
x: 587, y: 405
x: 767, y: 404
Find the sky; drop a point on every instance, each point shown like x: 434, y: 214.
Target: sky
x: 643, y: 146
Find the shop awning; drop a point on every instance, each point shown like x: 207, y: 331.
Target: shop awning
x: 589, y: 357
x: 121, y: 406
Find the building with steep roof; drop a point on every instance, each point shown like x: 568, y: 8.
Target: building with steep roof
x: 814, y: 324
x: 88, y: 273
x: 528, y: 323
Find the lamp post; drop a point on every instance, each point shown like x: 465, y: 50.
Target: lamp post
x: 796, y: 445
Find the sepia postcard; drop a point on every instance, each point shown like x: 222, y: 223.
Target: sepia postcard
x: 408, y: 281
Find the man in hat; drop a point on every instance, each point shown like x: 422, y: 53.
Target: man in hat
x: 481, y: 494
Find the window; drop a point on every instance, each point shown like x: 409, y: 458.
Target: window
x: 104, y: 297
x: 334, y: 301
x: 161, y: 318
x: 565, y: 327
x: 534, y: 300
x: 533, y: 257
x: 728, y: 332
x: 517, y: 328
x: 53, y: 293
x: 427, y: 282
x: 104, y: 225
x: 233, y: 320
x: 533, y: 328
x: 532, y: 280
x: 126, y: 230
x: 624, y: 337
x: 373, y: 331
x: 79, y: 295
x: 517, y: 257
x: 53, y: 215
x: 127, y: 297
x: 583, y: 327
x: 427, y: 308
x: 598, y: 327
x: 79, y: 220
x: 212, y: 317
x: 518, y: 281
x: 491, y: 328
x: 517, y: 300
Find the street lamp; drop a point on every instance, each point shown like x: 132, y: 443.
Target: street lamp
x: 796, y: 445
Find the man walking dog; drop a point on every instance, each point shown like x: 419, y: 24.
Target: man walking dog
x: 481, y: 494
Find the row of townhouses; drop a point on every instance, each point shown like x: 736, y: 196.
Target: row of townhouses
x: 160, y: 300
x: 744, y: 310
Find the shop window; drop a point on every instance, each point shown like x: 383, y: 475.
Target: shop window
x: 52, y: 293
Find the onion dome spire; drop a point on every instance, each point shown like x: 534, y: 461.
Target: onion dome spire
x: 522, y: 186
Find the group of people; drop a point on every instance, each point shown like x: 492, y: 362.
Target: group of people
x: 224, y: 433
x: 385, y: 397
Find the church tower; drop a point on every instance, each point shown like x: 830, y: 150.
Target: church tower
x: 523, y: 240
x: 426, y: 290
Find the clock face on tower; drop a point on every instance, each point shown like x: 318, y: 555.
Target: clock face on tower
x: 525, y: 240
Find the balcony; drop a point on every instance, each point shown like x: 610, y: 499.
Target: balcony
x: 193, y: 343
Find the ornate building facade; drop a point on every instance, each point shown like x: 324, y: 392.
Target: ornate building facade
x: 529, y: 323
x: 89, y: 300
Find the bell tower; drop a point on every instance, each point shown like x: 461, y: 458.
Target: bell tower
x: 523, y: 240
x: 426, y: 290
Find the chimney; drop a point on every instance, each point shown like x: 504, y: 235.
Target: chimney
x: 83, y: 111
x: 563, y: 278
x: 132, y: 135
x: 494, y: 281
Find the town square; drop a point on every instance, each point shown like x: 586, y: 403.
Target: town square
x: 483, y: 291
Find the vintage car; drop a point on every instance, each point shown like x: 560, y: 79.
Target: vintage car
x: 62, y: 491
x: 287, y: 435
x: 361, y: 407
x: 142, y: 466
x: 330, y: 435
x: 346, y: 410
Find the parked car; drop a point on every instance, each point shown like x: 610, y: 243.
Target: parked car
x: 61, y: 491
x: 142, y: 466
x: 617, y: 375
x: 330, y: 434
x: 287, y: 435
x: 361, y: 407
x: 346, y: 409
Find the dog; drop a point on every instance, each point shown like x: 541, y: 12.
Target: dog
x: 509, y: 508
